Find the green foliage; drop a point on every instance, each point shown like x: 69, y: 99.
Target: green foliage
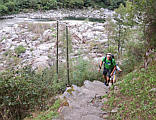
x: 8, y: 53
x: 133, y: 57
x: 113, y: 4
x: 72, y: 3
x: 24, y: 89
x: 128, y: 40
x: 48, y: 4
x: 3, y: 10
x: 12, y: 6
x: 129, y: 32
x: 111, y: 49
x: 20, y: 49
x: 20, y: 90
x: 125, y: 20
x: 142, y: 13
x: 88, y: 3
x: 84, y: 70
x: 135, y: 99
x: 50, y: 113
x: 125, y: 15
x: 25, y: 4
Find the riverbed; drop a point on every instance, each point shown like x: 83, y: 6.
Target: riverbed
x: 36, y: 32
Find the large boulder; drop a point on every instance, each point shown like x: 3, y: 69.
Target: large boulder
x: 47, y: 34
x: 46, y: 46
x: 40, y: 63
x: 99, y: 28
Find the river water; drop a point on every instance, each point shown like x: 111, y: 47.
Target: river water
x: 10, y: 22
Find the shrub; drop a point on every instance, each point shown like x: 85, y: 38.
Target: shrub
x: 21, y: 4
x: 24, y: 89
x: 50, y: 113
x: 48, y: 4
x: 84, y: 70
x: 111, y: 49
x: 10, y: 5
x: 76, y: 3
x: 20, y: 49
x: 87, y: 3
x: 3, y: 10
x: 133, y: 57
x: 8, y: 53
x: 51, y: 4
x: 73, y: 3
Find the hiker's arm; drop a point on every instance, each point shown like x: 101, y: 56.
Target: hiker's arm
x: 113, y: 70
x: 100, y: 65
x: 118, y: 69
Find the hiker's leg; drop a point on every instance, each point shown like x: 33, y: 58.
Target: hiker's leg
x: 108, y: 79
x: 104, y: 77
x: 104, y: 74
x: 109, y: 74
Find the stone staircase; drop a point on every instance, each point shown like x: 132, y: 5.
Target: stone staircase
x: 84, y: 103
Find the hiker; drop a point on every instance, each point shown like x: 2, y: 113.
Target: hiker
x: 109, y: 67
x: 113, y: 78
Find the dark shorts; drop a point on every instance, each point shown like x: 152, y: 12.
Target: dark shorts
x: 107, y: 72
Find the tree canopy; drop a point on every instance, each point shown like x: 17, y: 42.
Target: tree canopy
x: 14, y: 6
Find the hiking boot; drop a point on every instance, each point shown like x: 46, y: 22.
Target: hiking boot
x: 106, y: 83
x: 110, y: 84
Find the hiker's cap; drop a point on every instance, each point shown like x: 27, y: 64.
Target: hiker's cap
x: 109, y: 53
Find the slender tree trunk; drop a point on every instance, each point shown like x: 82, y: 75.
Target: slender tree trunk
x: 67, y: 56
x: 132, y: 14
x: 57, y: 49
x: 108, y: 43
x: 119, y: 39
